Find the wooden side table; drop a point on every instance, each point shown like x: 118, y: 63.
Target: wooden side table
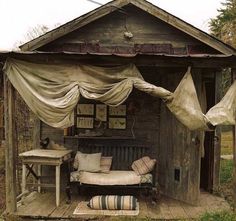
x: 44, y: 157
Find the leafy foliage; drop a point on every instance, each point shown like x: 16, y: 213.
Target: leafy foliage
x: 224, y: 28
x: 226, y: 171
x: 219, y: 216
x: 224, y: 25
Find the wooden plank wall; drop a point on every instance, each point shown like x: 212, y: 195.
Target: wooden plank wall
x: 10, y: 151
x: 107, y: 35
x: 179, y: 152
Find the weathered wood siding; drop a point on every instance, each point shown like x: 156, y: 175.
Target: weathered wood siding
x: 1, y: 109
x: 179, y: 170
x: 150, y: 35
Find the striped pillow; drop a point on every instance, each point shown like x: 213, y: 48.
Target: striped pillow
x: 113, y: 202
x: 143, y: 165
x: 105, y: 164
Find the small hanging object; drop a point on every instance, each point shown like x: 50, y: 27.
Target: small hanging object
x: 128, y: 34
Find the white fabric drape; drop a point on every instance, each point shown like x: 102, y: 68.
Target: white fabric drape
x: 52, y: 92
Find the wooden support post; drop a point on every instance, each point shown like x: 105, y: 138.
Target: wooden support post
x: 233, y: 72
x: 39, y: 177
x: 217, y: 135
x: 23, y: 185
x: 10, y: 151
x: 58, y: 168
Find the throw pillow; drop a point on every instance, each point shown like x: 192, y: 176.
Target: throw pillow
x: 89, y: 162
x: 76, y: 161
x: 113, y: 202
x: 106, y: 164
x: 143, y: 165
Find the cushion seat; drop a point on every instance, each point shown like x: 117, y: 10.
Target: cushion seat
x: 114, y: 177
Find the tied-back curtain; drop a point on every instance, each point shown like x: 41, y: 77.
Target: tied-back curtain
x: 52, y: 92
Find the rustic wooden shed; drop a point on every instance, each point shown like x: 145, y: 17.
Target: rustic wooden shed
x: 161, y: 46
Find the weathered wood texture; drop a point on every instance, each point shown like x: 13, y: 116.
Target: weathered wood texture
x: 179, y: 171
x: 36, y: 133
x: 43, y: 206
x: 150, y: 35
x: 121, y: 7
x: 233, y: 72
x: 217, y: 135
x: 1, y: 108
x: 10, y: 150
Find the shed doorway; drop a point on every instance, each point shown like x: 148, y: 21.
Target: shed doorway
x: 207, y: 161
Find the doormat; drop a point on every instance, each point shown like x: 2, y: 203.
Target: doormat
x: 83, y: 209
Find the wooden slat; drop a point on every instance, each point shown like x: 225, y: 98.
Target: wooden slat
x: 166, y: 209
x: 10, y: 151
x: 61, y: 209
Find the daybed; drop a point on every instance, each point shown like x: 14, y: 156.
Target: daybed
x: 117, y: 176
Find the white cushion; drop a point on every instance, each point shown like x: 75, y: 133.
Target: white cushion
x: 89, y: 162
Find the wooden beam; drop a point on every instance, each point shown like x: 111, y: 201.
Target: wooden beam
x: 233, y: 73
x: 139, y: 60
x: 10, y: 151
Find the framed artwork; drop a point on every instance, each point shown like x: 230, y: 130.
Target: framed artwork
x: 117, y: 123
x: 85, y: 109
x: 118, y: 111
x: 85, y: 122
x: 101, y: 112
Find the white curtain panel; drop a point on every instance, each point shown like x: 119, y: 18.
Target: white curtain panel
x: 53, y: 90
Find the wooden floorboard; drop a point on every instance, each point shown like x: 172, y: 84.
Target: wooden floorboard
x: 43, y: 206
x: 59, y: 211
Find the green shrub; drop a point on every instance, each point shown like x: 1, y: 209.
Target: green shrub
x: 218, y: 216
x: 226, y: 171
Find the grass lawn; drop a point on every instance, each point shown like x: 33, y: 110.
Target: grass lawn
x: 226, y: 171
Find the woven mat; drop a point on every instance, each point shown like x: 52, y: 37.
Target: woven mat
x: 83, y: 209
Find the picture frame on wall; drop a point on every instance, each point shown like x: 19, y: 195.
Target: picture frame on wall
x: 101, y: 112
x: 118, y: 111
x: 85, y: 122
x: 85, y: 109
x: 117, y: 123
